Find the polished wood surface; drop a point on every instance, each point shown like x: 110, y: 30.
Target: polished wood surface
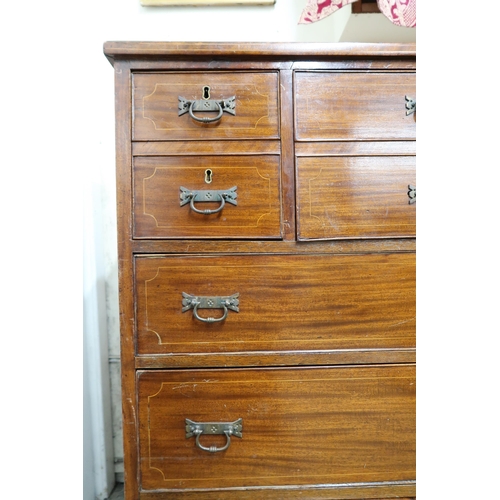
x: 261, y: 50
x: 301, y: 426
x: 381, y: 491
x: 276, y: 247
x: 156, y: 106
x: 157, y: 183
x: 341, y: 106
x: 286, y: 302
x: 325, y: 335
x: 123, y: 124
x: 355, y: 197
x: 354, y: 148
x: 218, y: 148
x: 277, y: 358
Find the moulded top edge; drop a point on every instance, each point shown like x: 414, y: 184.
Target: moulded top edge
x: 259, y: 49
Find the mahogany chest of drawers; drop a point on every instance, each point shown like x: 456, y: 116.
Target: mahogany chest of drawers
x: 266, y: 237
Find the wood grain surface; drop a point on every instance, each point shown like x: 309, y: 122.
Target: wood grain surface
x: 341, y: 106
x: 319, y: 359
x: 157, y: 186
x: 235, y: 52
x: 156, y: 106
x: 355, y: 197
x: 287, y: 302
x: 300, y: 426
x: 387, y: 490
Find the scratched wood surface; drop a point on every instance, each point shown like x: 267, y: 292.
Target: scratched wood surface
x: 156, y: 98
x: 300, y: 426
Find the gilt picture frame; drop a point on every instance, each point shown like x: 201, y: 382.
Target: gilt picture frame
x: 188, y: 3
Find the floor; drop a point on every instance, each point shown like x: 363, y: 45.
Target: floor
x: 117, y: 493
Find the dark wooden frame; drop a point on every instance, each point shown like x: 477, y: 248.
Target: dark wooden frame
x: 365, y: 7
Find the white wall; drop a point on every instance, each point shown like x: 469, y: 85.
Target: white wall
x: 58, y: 157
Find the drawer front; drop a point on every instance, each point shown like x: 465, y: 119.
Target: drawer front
x: 354, y: 106
x: 207, y: 197
x: 285, y: 302
x: 356, y: 197
x: 156, y: 106
x: 299, y: 426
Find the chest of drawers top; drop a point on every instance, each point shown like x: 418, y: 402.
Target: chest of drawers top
x: 255, y: 50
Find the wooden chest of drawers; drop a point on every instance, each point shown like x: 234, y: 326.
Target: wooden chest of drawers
x: 266, y: 225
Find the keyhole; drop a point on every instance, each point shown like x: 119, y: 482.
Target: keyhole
x: 206, y: 92
x: 208, y: 176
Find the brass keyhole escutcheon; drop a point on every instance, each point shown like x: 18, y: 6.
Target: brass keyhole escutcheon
x: 206, y: 92
x: 208, y: 176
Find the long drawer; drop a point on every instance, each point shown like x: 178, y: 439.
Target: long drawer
x: 235, y: 303
x: 159, y: 114
x: 256, y: 428
x: 207, y: 196
x: 356, y: 197
x: 332, y: 106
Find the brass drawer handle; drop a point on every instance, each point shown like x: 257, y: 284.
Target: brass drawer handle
x: 228, y: 428
x: 187, y: 106
x: 194, y: 302
x: 191, y: 196
x: 411, y: 105
x: 412, y: 194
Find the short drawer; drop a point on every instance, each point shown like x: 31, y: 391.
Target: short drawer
x: 354, y: 106
x: 356, y: 197
x: 274, y: 302
x: 163, y: 112
x: 207, y: 197
x: 276, y: 427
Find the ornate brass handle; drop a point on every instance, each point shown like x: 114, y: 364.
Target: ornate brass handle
x: 190, y: 106
x: 205, y: 119
x: 411, y: 105
x: 194, y: 302
x: 192, y: 196
x: 228, y: 428
x: 412, y: 194
x: 209, y: 319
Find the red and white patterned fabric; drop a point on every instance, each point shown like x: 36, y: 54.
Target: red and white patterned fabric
x: 316, y: 10
x: 399, y: 12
